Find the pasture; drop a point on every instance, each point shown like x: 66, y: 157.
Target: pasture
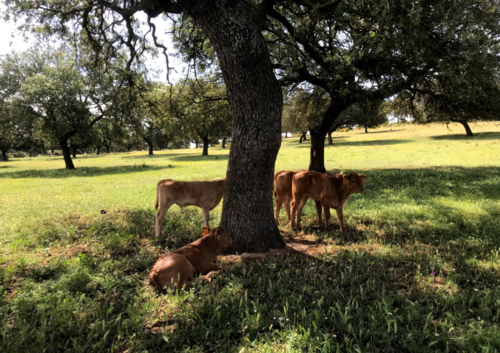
x: 417, y: 271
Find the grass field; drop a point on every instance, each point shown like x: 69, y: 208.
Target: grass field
x: 417, y: 271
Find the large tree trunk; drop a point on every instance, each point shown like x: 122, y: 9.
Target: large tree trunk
x: 317, y: 151
x: 205, y: 147
x: 256, y: 103
x: 318, y: 135
x: 224, y: 142
x: 4, y: 156
x: 66, y: 154
x: 466, y: 127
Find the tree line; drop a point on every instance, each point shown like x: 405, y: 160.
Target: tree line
x: 60, y: 99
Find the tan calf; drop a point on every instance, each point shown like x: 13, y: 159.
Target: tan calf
x: 327, y: 191
x: 181, y: 266
x: 204, y: 194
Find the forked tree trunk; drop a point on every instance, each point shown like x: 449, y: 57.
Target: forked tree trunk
x: 4, y: 156
x: 256, y: 103
x: 66, y: 154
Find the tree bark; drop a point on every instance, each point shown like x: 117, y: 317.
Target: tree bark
x: 466, y: 126
x: 66, y: 154
x: 256, y: 103
x: 303, y: 137
x: 107, y: 148
x: 224, y: 142
x: 205, y: 147
x: 150, y: 147
x: 4, y: 158
x: 318, y: 135
x: 317, y: 151
x: 74, y: 151
x: 330, y: 141
x: 98, y: 150
x: 196, y: 144
x: 366, y: 129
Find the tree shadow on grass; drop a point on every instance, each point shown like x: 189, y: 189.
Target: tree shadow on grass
x: 80, y: 172
x: 413, y: 273
x: 477, y: 136
x: 344, y: 143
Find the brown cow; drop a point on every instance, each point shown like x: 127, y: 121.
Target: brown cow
x: 181, y: 266
x: 204, y: 194
x: 327, y: 191
x: 283, y: 193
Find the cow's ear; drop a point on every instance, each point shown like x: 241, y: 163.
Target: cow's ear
x: 363, y: 178
x: 349, y: 177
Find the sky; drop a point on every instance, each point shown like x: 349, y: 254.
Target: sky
x: 11, y: 39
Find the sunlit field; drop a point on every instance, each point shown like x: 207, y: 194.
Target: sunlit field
x: 418, y: 269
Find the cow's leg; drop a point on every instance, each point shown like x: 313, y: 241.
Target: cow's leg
x: 160, y: 215
x: 279, y: 202
x: 294, y: 212
x: 340, y: 214
x: 288, y: 199
x: 206, y: 216
x: 318, y: 211
x: 299, y: 212
x: 327, y: 218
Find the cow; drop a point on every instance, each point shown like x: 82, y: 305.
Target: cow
x: 283, y: 193
x: 204, y: 194
x: 327, y: 191
x: 180, y: 267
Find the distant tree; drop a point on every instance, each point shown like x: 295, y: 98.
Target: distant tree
x: 201, y: 110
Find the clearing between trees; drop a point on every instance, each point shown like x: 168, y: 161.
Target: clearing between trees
x: 418, y: 268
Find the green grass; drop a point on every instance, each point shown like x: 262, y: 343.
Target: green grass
x: 417, y: 271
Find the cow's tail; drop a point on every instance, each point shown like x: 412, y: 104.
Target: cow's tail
x: 158, y: 192
x: 152, y: 280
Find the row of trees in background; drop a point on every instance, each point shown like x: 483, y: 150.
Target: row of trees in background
x: 59, y: 99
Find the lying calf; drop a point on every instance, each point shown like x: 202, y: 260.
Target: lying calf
x: 204, y: 194
x: 328, y: 191
x: 181, y: 266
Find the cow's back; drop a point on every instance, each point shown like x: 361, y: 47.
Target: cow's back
x: 193, y: 193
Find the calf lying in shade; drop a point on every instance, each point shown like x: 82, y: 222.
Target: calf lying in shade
x: 181, y: 266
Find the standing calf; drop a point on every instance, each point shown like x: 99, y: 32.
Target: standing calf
x: 204, y: 194
x: 327, y: 191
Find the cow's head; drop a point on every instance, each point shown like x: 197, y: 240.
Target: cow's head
x: 223, y: 239
x: 354, y: 182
